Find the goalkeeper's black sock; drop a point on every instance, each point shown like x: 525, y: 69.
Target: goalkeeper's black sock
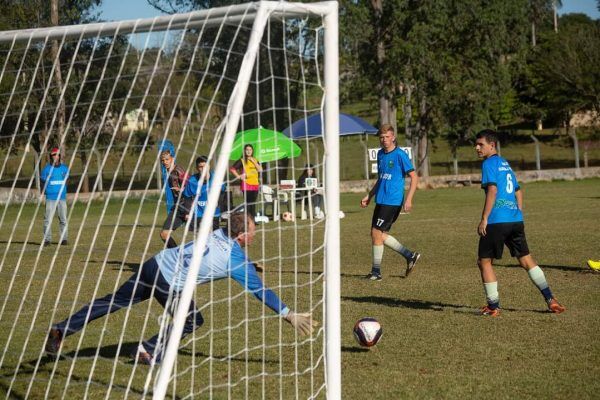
x: 171, y: 243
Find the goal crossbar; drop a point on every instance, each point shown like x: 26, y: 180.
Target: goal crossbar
x: 207, y: 18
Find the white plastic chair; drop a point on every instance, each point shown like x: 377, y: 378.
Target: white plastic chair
x: 269, y: 196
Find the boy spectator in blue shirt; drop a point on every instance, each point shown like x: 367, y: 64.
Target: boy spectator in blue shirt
x: 502, y: 224
x: 393, y: 165
x: 54, y: 186
x: 198, y: 194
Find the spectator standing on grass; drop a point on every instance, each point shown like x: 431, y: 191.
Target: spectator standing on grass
x: 393, y: 165
x: 54, y: 187
x: 176, y: 181
x: 502, y: 224
x: 248, y: 170
x: 164, y: 275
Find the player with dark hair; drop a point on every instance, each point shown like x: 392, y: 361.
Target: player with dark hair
x: 194, y: 191
x: 177, y: 179
x: 393, y: 165
x: 502, y: 224
x: 54, y: 186
x: 164, y: 275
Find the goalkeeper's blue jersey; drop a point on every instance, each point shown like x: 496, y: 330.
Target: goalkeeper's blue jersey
x: 392, y: 167
x: 495, y: 171
x: 223, y: 258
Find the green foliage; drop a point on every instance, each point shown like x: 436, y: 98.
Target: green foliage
x: 565, y: 67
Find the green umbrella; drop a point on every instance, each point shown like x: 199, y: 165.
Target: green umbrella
x: 268, y: 145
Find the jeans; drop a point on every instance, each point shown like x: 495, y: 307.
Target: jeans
x: 147, y: 277
x: 52, y: 207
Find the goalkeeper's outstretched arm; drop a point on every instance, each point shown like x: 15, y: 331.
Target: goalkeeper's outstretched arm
x: 245, y: 274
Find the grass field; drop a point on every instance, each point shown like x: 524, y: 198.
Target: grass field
x: 434, y: 345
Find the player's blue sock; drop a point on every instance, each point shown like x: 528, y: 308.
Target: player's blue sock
x: 491, y: 294
x: 377, y: 256
x: 539, y: 279
x: 395, y: 245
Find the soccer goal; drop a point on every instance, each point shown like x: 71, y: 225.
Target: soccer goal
x: 92, y: 117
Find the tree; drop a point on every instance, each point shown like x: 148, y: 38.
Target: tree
x: 567, y: 79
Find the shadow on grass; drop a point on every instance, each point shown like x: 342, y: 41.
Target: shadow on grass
x: 568, y: 268
x: 133, y: 267
x: 354, y: 349
x: 46, y: 366
x: 410, y: 303
x: 220, y: 357
x: 20, y: 242
x: 133, y: 225
x: 427, y: 305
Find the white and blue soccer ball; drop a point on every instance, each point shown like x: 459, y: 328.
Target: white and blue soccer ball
x: 367, y: 332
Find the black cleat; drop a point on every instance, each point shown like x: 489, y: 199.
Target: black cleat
x: 53, y: 342
x: 373, y: 277
x: 63, y: 243
x: 411, y: 262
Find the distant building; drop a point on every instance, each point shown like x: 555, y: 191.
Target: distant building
x: 585, y: 118
x: 136, y: 120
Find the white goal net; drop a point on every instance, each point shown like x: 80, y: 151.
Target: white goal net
x: 122, y: 186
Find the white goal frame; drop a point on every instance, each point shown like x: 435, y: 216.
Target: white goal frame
x: 259, y: 14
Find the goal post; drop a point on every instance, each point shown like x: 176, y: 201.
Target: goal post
x: 193, y: 80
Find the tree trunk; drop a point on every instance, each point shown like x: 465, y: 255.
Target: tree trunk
x: 407, y: 119
x: 533, y: 40
x: 57, y: 74
x: 384, y: 106
x: 85, y: 187
x: 423, y: 144
x: 555, y: 16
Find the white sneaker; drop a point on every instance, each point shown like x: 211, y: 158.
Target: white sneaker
x: 320, y: 215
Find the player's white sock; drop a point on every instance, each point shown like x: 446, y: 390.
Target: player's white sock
x: 395, y: 245
x: 377, y: 256
x: 539, y: 279
x: 491, y: 294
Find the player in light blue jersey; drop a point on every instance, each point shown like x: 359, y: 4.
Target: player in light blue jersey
x: 393, y: 165
x: 163, y: 276
x: 502, y: 224
x: 54, y: 178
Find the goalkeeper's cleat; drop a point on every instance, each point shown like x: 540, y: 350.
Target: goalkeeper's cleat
x: 490, y: 312
x: 373, y: 277
x: 63, y: 243
x: 595, y: 265
x: 555, y: 307
x: 53, y: 342
x: 411, y: 262
x: 46, y: 243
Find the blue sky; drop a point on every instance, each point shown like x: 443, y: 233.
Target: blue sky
x: 115, y: 10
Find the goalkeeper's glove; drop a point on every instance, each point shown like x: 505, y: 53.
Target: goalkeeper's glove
x: 303, y: 323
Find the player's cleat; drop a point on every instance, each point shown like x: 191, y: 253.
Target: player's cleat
x: 63, y: 243
x: 595, y: 265
x: 143, y: 357
x: 373, y: 277
x: 490, y: 312
x: 555, y: 307
x: 46, y: 243
x: 53, y: 342
x: 411, y: 262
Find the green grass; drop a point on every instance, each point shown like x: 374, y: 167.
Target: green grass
x: 434, y: 345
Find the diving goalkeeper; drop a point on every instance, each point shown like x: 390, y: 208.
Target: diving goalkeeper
x: 166, y: 272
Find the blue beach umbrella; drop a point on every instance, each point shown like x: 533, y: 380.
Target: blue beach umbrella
x: 312, y: 126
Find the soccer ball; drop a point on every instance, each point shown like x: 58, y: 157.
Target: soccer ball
x: 367, y: 332
x: 287, y: 216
